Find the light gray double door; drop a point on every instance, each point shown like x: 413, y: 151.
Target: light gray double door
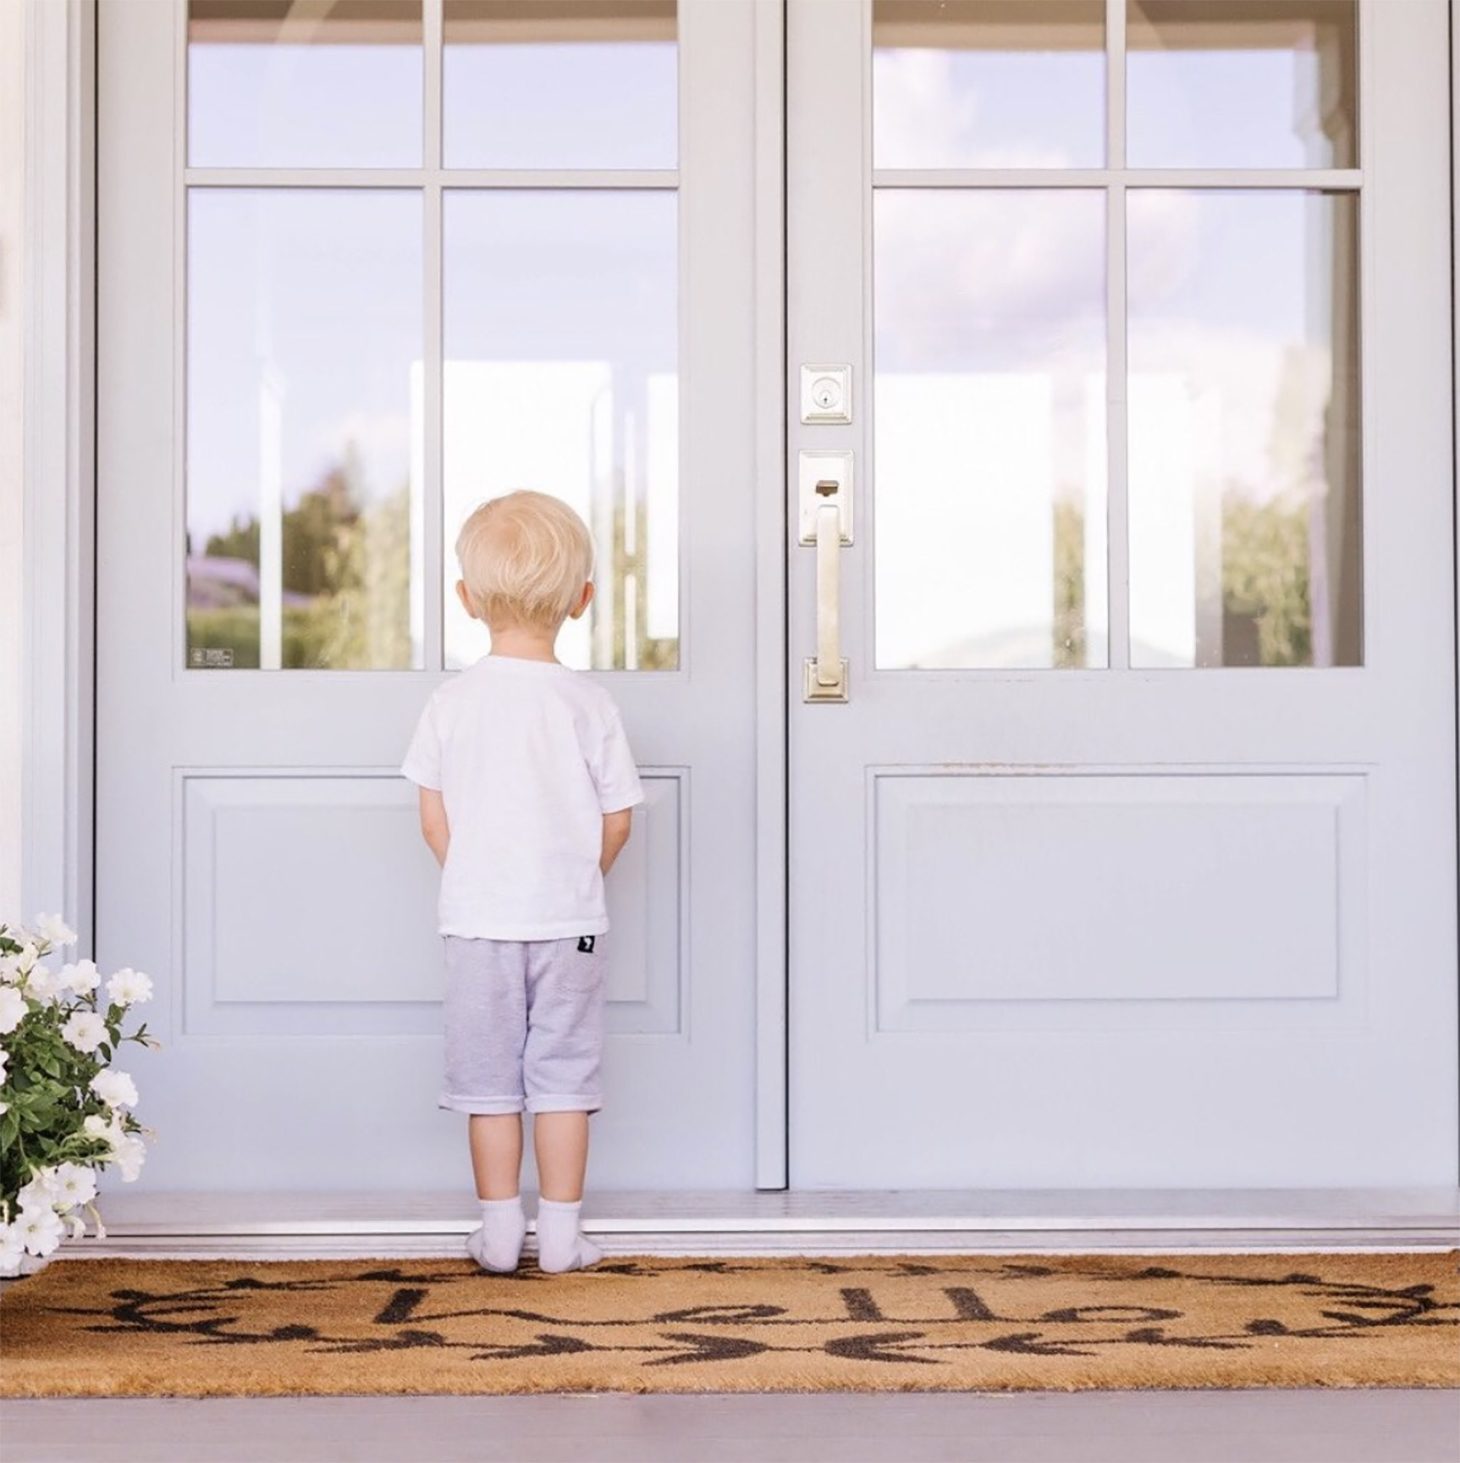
x: 1128, y: 858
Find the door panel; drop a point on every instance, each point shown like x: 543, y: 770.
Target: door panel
x: 1130, y: 859
x: 318, y: 347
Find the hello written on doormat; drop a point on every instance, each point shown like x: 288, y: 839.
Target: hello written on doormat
x: 649, y: 1324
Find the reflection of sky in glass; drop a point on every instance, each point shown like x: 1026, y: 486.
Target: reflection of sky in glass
x: 959, y: 92
x: 990, y: 425
x: 297, y: 105
x: 1223, y: 85
x: 309, y: 300
x: 989, y: 360
x: 561, y: 106
x: 561, y: 351
x: 1233, y: 333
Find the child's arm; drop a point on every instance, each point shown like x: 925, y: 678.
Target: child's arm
x: 434, y: 827
x: 615, y: 835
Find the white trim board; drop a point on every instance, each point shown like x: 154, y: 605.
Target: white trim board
x: 790, y: 1217
x: 732, y: 1245
x: 345, y: 1226
x: 57, y: 428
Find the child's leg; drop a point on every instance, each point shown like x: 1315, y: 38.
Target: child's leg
x: 496, y: 1153
x: 561, y: 1077
x: 485, y: 1026
x: 560, y: 1140
x: 496, y: 1160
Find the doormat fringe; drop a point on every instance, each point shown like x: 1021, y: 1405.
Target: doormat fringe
x: 165, y: 1328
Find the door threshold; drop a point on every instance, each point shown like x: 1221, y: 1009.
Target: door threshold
x: 347, y: 1225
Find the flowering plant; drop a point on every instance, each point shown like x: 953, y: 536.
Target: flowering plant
x: 65, y: 1111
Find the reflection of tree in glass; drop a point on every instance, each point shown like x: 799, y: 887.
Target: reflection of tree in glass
x: 1069, y: 583
x: 1266, y: 617
x: 346, y: 580
x: 618, y: 565
x: 1265, y: 581
x: 1266, y: 534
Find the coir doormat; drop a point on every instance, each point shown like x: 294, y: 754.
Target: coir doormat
x: 878, y: 1323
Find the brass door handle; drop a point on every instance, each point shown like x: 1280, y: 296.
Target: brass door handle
x: 826, y: 502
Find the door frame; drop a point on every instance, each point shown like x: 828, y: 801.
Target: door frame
x: 56, y: 671
x: 55, y: 658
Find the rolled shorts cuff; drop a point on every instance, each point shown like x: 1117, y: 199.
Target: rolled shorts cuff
x: 482, y: 1107
x: 564, y: 1102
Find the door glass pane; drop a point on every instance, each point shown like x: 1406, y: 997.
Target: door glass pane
x: 988, y: 83
x: 303, y: 428
x: 561, y: 370
x: 560, y: 84
x: 1244, y: 456
x: 1233, y: 84
x: 304, y: 83
x: 989, y: 424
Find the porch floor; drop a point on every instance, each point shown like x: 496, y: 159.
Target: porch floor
x: 1085, y: 1427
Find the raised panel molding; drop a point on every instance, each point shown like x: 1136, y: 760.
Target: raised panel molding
x: 1118, y: 898
x: 271, y: 946
x: 648, y: 901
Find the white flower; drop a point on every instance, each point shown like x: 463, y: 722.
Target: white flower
x: 85, y: 1030
x: 73, y: 1184
x: 40, y: 1192
x: 116, y: 1089
x: 128, y: 987
x: 54, y: 930
x: 12, y: 1247
x: 40, y: 1230
x: 128, y: 1155
x: 42, y: 984
x: 80, y: 977
x: 12, y: 1008
x: 4, y: 1060
x: 127, y: 1149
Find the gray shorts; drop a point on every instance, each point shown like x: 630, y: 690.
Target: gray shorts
x: 524, y: 1025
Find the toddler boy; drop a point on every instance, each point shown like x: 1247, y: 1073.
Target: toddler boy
x: 526, y: 790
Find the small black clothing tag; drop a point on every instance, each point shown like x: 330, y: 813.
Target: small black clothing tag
x: 585, y: 944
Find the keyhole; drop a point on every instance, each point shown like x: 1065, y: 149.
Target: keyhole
x: 827, y: 488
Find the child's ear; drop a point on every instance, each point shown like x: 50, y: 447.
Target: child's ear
x: 464, y: 595
x: 584, y: 601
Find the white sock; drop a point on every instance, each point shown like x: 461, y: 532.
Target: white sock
x: 560, y: 1243
x: 497, y: 1245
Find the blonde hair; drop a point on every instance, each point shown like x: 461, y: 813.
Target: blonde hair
x: 525, y: 559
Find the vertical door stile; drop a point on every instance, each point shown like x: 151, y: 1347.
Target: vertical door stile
x: 1117, y: 540
x: 427, y: 529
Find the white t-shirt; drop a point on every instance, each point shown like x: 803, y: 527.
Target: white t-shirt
x: 528, y: 756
